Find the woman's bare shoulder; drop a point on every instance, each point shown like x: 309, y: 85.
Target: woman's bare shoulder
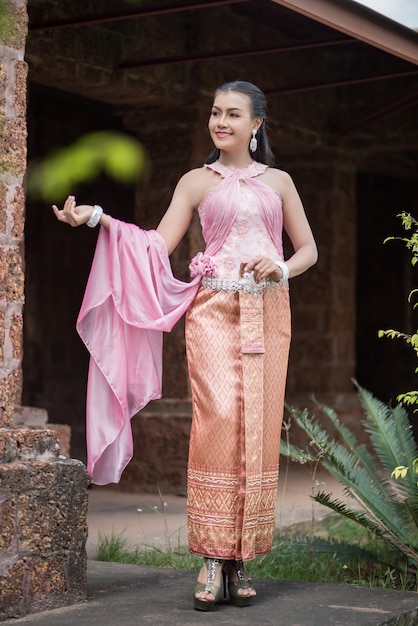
x: 279, y: 180
x: 197, y: 175
x: 278, y: 176
x: 197, y: 182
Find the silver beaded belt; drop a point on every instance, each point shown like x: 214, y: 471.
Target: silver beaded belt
x: 246, y: 284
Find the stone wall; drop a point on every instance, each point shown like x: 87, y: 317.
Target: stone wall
x: 13, y: 73
x: 43, y: 496
x: 43, y: 529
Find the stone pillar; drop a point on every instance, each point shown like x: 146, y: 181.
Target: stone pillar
x: 12, y: 168
x: 43, y: 496
x: 43, y: 529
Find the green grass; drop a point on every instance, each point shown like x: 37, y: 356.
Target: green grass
x: 116, y: 548
x: 335, y: 551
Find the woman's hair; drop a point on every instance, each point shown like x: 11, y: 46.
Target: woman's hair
x: 258, y: 104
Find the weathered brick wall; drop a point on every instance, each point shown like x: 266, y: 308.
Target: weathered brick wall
x: 13, y: 72
x: 43, y: 496
x: 43, y: 529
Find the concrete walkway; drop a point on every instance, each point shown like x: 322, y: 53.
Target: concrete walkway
x: 124, y: 595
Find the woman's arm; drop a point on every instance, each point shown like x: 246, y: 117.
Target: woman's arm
x: 297, y: 227
x: 187, y: 196
x: 175, y: 222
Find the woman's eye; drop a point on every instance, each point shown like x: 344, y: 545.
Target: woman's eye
x: 214, y: 113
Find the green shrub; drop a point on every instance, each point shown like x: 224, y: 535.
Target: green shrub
x: 384, y: 506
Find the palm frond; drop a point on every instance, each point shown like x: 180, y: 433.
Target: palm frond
x: 369, y: 522
x: 392, y: 438
x: 390, y: 431
x: 344, y: 465
x: 351, y: 442
x: 289, y: 450
x: 348, y: 437
x: 348, y: 512
x: 372, y: 496
x: 388, y: 507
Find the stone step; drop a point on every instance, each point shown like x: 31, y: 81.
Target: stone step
x: 29, y: 416
x: 28, y: 444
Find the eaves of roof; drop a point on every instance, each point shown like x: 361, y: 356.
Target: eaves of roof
x: 361, y: 23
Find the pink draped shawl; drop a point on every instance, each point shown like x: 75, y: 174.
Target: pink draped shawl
x: 130, y: 299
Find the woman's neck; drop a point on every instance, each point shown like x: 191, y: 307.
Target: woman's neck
x: 235, y: 161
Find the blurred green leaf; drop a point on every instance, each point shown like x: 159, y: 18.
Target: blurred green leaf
x: 119, y: 156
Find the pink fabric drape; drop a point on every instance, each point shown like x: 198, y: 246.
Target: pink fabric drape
x: 131, y: 297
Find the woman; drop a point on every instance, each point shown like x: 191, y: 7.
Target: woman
x: 237, y: 332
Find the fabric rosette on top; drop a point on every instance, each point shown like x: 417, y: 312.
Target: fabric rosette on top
x: 202, y: 265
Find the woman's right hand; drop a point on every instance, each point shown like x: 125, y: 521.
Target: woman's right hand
x: 72, y: 214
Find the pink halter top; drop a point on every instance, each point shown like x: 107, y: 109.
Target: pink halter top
x: 251, y: 207
x: 241, y: 218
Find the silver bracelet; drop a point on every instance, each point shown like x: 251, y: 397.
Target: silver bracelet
x: 95, y: 216
x: 285, y: 271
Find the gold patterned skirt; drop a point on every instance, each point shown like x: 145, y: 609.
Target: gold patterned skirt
x: 237, y: 351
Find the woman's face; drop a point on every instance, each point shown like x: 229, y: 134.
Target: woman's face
x: 231, y: 123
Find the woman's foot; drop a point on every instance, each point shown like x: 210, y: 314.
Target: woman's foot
x: 240, y: 587
x: 208, y: 588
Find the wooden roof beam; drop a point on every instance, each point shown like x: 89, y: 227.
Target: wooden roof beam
x: 355, y: 20
x: 118, y: 17
x: 401, y: 104
x: 337, y: 83
x: 225, y: 54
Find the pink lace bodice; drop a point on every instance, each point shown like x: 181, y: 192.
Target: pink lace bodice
x: 248, y: 236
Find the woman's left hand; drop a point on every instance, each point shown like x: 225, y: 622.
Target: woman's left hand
x: 263, y: 267
x: 73, y: 214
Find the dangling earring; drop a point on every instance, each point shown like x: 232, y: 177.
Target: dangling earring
x: 253, y: 141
